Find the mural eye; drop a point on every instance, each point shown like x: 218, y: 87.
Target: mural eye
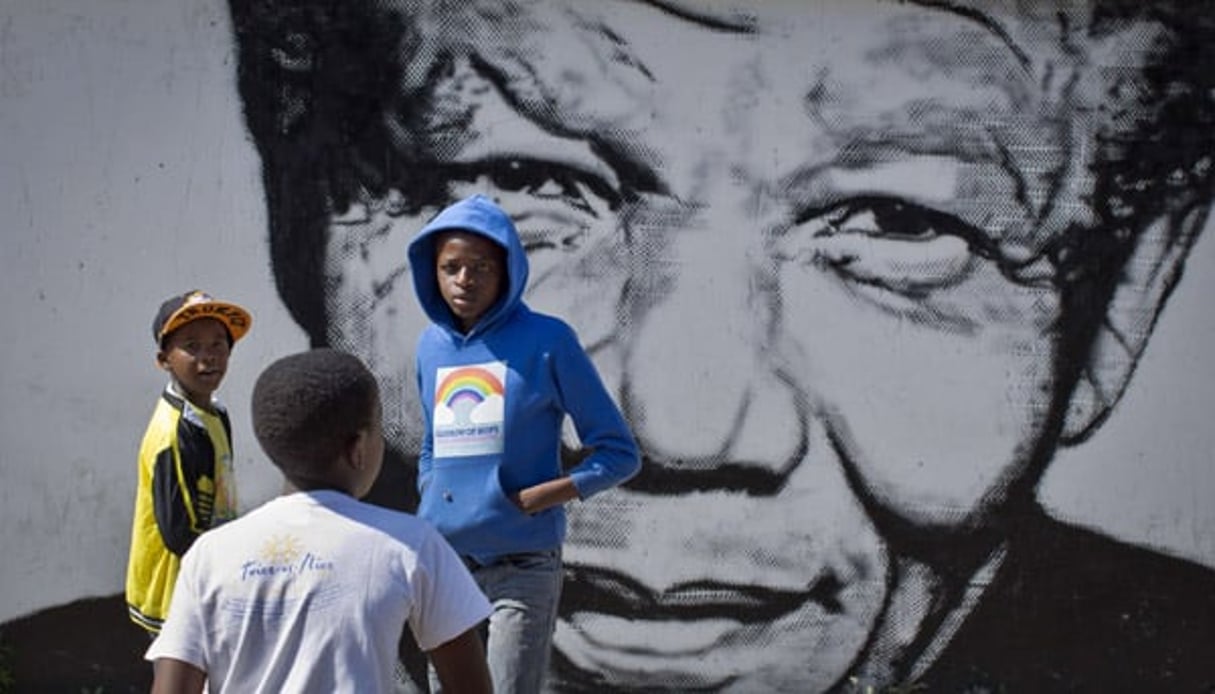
x: 555, y: 204
x: 887, y: 244
x: 543, y: 180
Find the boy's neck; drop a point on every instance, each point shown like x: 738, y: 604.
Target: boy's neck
x: 291, y: 486
x: 207, y: 403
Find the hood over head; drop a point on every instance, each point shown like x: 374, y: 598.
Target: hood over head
x: 476, y: 214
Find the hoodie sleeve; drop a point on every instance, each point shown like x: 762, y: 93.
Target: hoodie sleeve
x: 426, y: 455
x: 614, y: 457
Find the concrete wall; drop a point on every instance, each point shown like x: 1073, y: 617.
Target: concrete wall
x: 128, y: 175
x: 128, y: 178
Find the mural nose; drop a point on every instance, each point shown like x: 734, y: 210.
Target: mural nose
x: 702, y: 389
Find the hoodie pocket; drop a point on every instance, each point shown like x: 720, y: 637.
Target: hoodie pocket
x: 466, y: 503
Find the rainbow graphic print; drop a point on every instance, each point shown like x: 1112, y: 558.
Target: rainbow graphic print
x: 469, y: 410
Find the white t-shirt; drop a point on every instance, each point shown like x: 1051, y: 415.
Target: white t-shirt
x: 311, y: 592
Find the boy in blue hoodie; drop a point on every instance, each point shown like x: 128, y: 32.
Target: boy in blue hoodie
x: 496, y: 381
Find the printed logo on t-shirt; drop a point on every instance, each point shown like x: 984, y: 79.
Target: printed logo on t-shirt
x: 284, y: 555
x: 305, y: 580
x: 470, y: 410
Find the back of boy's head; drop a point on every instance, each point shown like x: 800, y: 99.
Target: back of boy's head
x: 308, y: 407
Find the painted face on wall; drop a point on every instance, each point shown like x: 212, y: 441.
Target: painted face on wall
x: 808, y: 251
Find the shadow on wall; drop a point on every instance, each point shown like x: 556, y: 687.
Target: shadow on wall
x: 84, y: 646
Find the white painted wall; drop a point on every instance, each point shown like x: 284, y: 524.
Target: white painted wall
x: 126, y: 176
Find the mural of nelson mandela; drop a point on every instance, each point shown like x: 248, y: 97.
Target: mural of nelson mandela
x: 853, y: 269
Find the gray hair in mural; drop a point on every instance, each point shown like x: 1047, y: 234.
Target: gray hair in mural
x: 854, y: 271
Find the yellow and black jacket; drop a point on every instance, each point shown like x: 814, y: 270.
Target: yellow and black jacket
x: 185, y: 486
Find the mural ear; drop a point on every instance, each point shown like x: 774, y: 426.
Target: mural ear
x: 1148, y: 277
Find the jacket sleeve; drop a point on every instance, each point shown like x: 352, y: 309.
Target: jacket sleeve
x: 170, y: 504
x: 183, y: 487
x: 613, y: 455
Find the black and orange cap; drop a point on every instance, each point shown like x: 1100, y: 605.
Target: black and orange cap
x: 179, y: 310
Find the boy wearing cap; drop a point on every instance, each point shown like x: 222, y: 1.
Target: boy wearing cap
x: 186, y: 483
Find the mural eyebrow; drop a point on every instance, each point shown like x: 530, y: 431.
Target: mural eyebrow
x: 734, y: 22
x: 634, y: 175
x: 982, y: 20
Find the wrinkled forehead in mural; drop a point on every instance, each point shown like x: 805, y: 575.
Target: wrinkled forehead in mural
x: 851, y: 269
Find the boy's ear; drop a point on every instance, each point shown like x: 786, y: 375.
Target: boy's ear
x: 1148, y: 277
x: 162, y: 359
x: 356, y: 450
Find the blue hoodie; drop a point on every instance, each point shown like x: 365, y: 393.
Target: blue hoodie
x: 494, y: 400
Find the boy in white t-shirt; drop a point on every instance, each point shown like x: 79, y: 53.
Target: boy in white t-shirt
x: 312, y: 591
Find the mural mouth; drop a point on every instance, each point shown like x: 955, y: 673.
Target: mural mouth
x: 697, y: 634
x: 608, y: 592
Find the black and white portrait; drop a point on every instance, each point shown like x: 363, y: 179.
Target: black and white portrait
x: 854, y: 271
x: 868, y: 278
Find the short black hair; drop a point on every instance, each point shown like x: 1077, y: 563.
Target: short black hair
x: 308, y: 407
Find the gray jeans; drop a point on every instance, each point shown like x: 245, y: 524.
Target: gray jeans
x: 524, y: 590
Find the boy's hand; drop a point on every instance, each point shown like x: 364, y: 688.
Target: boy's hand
x: 532, y: 500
